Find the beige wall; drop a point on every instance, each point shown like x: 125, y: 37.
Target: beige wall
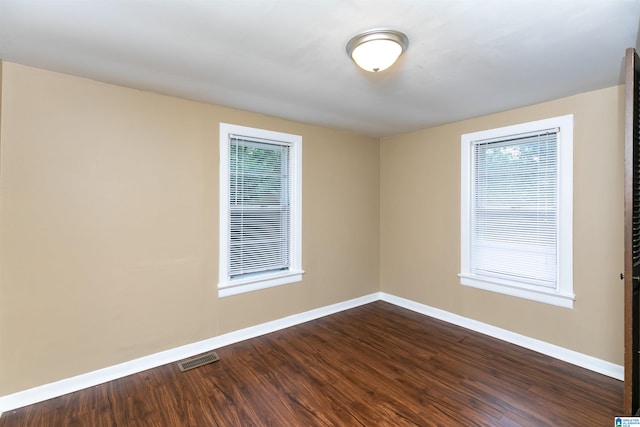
x: 420, y: 226
x: 109, y: 225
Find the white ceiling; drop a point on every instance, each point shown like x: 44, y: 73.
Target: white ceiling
x: 287, y: 58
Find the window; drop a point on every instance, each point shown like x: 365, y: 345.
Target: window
x: 516, y: 210
x: 260, y: 209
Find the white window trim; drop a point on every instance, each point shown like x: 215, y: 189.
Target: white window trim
x: 226, y: 285
x: 562, y: 295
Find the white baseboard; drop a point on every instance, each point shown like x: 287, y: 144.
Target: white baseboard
x: 90, y: 379
x: 579, y: 359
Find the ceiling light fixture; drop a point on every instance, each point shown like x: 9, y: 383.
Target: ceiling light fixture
x: 377, y: 50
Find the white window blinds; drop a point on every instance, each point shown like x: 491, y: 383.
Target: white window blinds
x: 259, y: 207
x: 514, y: 214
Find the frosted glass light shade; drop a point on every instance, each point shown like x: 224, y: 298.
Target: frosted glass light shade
x: 377, y: 50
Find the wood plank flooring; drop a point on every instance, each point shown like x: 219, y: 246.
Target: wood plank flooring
x: 375, y: 365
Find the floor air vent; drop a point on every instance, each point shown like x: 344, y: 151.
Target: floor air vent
x: 198, y: 361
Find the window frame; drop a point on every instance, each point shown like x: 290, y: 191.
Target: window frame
x: 228, y: 286
x: 562, y: 295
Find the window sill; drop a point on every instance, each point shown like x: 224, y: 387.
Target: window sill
x: 533, y: 293
x: 254, y: 283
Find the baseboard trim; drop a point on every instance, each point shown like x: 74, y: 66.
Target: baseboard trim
x: 90, y: 379
x: 579, y: 359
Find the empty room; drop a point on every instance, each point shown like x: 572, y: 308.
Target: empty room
x: 319, y: 212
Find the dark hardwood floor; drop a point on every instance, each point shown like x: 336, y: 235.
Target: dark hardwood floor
x: 375, y: 365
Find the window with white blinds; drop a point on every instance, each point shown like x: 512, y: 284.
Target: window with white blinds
x: 260, y: 209
x: 516, y: 210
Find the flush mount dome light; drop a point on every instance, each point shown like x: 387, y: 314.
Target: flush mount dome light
x: 377, y: 50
